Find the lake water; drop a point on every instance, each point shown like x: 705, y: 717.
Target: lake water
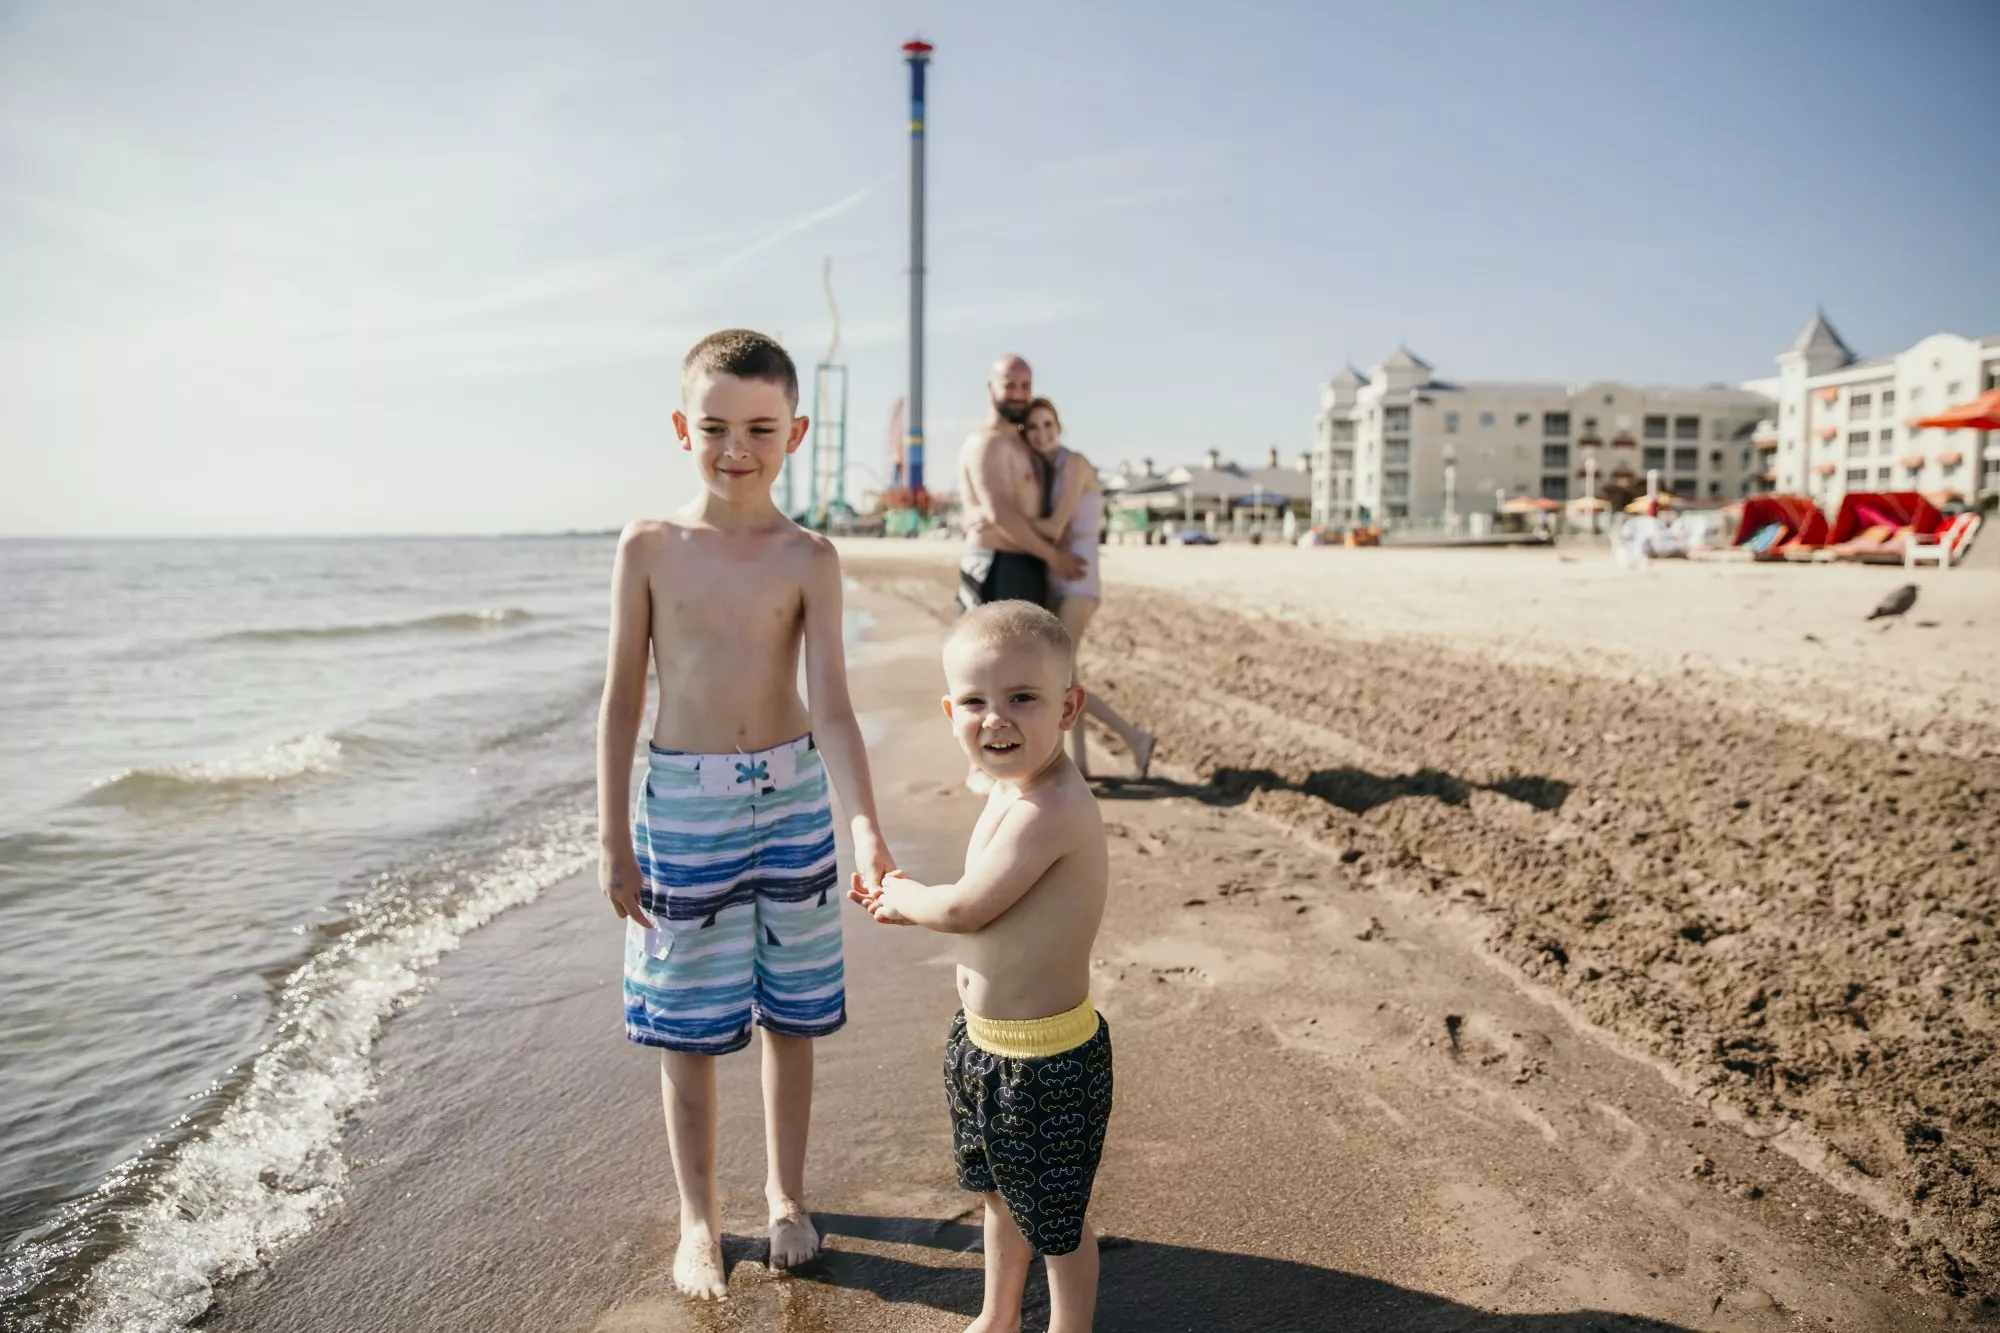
x: 249, y: 790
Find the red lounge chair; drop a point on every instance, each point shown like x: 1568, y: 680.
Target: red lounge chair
x: 1802, y: 526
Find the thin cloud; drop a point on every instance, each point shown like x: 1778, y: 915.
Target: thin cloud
x: 795, y: 227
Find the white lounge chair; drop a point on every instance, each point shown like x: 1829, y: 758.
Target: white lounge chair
x: 1945, y: 547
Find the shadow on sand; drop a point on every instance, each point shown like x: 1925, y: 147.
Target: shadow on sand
x: 1148, y: 1288
x: 1354, y: 790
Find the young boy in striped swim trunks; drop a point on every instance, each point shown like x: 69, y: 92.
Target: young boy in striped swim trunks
x: 1027, y: 1065
x: 725, y: 872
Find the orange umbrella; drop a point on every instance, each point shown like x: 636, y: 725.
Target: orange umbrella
x: 1982, y: 413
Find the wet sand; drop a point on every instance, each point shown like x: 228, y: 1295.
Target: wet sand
x: 1357, y: 1090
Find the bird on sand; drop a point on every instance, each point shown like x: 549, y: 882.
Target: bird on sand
x: 1896, y: 603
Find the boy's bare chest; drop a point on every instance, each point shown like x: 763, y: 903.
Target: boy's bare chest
x: 726, y: 606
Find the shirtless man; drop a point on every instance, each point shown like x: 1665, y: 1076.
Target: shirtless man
x: 1028, y: 1059
x: 724, y: 874
x: 1006, y: 557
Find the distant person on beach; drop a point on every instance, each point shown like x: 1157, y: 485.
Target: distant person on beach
x: 725, y: 873
x: 1028, y: 1058
x: 1076, y: 522
x: 1003, y: 487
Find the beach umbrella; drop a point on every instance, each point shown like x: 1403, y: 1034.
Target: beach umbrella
x: 1665, y: 499
x: 1530, y: 504
x: 1589, y: 504
x: 1982, y: 413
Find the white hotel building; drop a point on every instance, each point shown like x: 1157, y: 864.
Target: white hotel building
x: 1401, y: 444
x: 1842, y: 424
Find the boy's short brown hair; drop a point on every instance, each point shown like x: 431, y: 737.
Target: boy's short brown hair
x: 998, y: 623
x: 748, y: 356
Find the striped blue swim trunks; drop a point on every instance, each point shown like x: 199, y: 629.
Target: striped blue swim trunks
x: 737, y: 855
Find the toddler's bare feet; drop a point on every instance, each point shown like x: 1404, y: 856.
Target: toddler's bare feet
x: 794, y: 1241
x: 698, y: 1266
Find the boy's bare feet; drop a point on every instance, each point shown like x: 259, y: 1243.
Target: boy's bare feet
x: 698, y: 1265
x: 794, y: 1240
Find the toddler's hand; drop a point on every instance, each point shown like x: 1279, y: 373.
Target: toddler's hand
x: 895, y: 884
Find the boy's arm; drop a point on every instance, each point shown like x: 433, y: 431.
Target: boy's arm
x: 835, y: 730
x: 1023, y: 848
x: 618, y: 718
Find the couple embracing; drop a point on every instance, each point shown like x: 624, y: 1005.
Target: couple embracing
x: 1034, y: 515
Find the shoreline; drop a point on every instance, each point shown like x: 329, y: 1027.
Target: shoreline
x: 1295, y: 1118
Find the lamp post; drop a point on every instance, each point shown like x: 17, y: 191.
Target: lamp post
x: 1590, y: 487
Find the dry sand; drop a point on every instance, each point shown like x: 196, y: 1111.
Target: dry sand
x: 1451, y: 990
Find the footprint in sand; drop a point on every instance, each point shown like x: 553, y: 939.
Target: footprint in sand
x: 1483, y: 1043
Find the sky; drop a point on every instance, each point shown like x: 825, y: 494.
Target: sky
x: 271, y: 268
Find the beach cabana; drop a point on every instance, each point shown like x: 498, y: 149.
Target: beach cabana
x: 1775, y: 527
x: 1876, y: 525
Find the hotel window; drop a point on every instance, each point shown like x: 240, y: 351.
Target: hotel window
x: 1523, y: 418
x: 1687, y: 460
x: 1715, y: 490
x: 1656, y: 458
x: 1888, y: 400
x: 1884, y: 475
x: 1451, y: 423
x: 1715, y: 458
x: 1555, y: 455
x: 1656, y: 428
x: 1555, y: 424
x: 1860, y: 405
x: 1397, y: 454
x: 1857, y: 443
x: 1857, y: 476
x: 1485, y: 418
x: 1885, y: 440
x: 1687, y: 486
x: 1951, y: 390
x: 1555, y: 488
x: 1687, y: 428
x: 1396, y: 420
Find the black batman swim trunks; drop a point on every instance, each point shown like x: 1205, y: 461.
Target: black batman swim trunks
x: 1031, y: 1127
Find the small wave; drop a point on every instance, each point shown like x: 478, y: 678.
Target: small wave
x: 301, y: 756
x: 216, y: 1203
x: 450, y: 620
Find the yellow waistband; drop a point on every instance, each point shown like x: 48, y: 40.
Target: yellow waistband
x: 1033, y: 1038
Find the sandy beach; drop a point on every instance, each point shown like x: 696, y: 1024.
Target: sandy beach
x: 1508, y: 942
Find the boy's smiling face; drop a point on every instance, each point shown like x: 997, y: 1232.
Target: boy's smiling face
x: 1009, y: 703
x: 739, y: 432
